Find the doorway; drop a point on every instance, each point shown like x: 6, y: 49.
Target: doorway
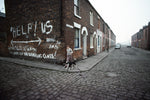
x: 84, y: 41
x: 84, y: 45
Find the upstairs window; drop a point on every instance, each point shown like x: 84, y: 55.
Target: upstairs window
x: 91, y: 18
x: 104, y: 28
x: 77, y: 8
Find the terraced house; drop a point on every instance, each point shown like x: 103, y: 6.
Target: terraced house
x: 142, y: 38
x: 41, y: 29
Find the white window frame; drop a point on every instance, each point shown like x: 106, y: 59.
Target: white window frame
x: 75, y: 6
x: 91, y: 41
x: 91, y: 18
x: 78, y: 26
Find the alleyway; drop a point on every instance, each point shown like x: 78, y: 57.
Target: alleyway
x: 123, y: 75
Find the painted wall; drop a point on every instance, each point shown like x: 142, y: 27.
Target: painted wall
x: 42, y: 28
x: 35, y: 29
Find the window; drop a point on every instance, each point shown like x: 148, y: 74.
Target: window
x: 91, y: 18
x: 98, y: 41
x: 77, y: 8
x: 91, y: 41
x: 77, y: 38
x: 104, y: 41
x: 104, y: 28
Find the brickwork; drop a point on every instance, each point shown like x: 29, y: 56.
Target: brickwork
x: 84, y: 21
x: 3, y: 36
x: 42, y: 29
x: 35, y: 28
x: 142, y: 38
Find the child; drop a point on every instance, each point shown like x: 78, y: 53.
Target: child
x: 69, y: 55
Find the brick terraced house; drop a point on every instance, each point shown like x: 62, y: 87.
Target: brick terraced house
x: 142, y: 38
x: 43, y: 28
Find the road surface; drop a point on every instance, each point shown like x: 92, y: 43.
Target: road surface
x: 123, y: 75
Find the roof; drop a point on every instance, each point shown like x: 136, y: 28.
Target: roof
x: 2, y: 14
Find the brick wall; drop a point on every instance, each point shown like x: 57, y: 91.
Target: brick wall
x: 142, y: 38
x: 35, y: 29
x: 42, y: 28
x: 3, y: 37
x: 70, y: 18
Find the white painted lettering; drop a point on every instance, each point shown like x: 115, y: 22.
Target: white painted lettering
x: 23, y: 33
x: 46, y: 28
x: 35, y: 26
x: 29, y: 27
x: 14, y: 32
x: 43, y: 28
x: 18, y: 31
x: 49, y: 26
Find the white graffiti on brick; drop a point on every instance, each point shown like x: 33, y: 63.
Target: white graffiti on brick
x: 55, y: 46
x: 46, y: 28
x: 35, y: 55
x: 30, y: 51
x: 31, y: 41
x: 50, y: 40
x: 22, y: 48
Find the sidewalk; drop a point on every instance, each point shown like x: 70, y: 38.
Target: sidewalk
x: 83, y: 65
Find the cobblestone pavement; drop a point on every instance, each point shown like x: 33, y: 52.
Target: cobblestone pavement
x: 123, y: 75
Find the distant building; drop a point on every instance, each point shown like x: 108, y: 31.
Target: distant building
x: 142, y: 38
x: 42, y: 29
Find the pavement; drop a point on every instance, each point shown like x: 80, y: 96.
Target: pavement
x: 81, y: 66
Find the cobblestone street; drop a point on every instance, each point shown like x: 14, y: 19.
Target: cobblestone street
x: 123, y: 75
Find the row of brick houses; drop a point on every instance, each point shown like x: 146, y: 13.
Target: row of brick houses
x: 43, y: 28
x: 142, y: 38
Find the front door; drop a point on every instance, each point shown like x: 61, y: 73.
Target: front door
x: 84, y: 45
x: 95, y: 45
x: 98, y: 44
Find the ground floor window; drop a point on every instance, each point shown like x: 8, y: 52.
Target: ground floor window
x: 91, y: 41
x: 77, y: 38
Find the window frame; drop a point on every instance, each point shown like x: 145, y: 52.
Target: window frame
x: 77, y: 38
x: 77, y: 26
x: 91, y: 18
x: 77, y: 8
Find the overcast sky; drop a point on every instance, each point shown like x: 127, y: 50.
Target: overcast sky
x: 125, y: 17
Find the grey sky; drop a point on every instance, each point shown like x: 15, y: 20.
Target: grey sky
x: 125, y: 17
